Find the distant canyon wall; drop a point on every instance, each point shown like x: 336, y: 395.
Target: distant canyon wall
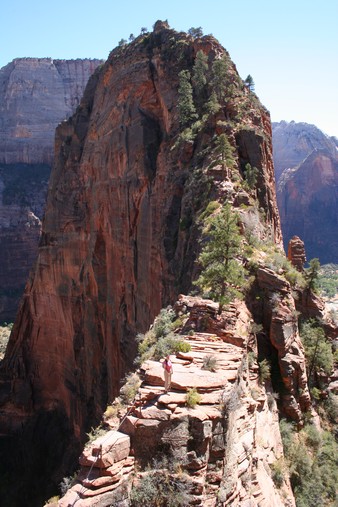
x: 36, y: 94
x: 306, y: 167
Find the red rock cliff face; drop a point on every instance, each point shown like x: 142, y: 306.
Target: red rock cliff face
x: 119, y: 235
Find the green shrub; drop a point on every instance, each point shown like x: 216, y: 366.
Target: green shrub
x: 331, y: 408
x: 313, y: 437
x: 129, y: 390
x: 193, y: 397
x: 312, y: 459
x: 158, y: 487
x: 209, y: 363
x: 163, y: 323
x: 182, y: 346
x: 209, y: 210
x: 315, y: 393
x: 277, y: 469
x: 264, y: 370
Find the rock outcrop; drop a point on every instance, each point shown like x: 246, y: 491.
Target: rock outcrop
x: 119, y: 241
x: 306, y: 166
x: 36, y: 94
x: 296, y: 253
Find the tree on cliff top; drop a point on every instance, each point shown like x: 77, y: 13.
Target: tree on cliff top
x: 249, y: 82
x: 195, y: 32
x: 222, y: 273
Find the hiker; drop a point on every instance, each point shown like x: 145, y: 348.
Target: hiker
x: 168, y: 371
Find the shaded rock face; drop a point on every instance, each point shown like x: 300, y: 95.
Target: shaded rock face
x: 305, y: 163
x: 119, y: 240
x: 35, y: 95
x: 274, y: 306
x: 307, y: 198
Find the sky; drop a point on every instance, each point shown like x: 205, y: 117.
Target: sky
x: 289, y: 47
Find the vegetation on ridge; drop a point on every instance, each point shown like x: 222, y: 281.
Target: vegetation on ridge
x: 222, y: 274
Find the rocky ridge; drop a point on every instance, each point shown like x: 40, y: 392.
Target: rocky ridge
x: 226, y: 446
x: 36, y: 94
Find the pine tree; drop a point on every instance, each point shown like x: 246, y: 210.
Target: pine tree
x: 249, y: 82
x: 251, y: 175
x: 199, y: 77
x: 222, y: 273
x: 318, y: 351
x: 219, y: 76
x: 195, y: 32
x: 227, y: 153
x: 212, y: 106
x: 312, y: 272
x: 186, y: 107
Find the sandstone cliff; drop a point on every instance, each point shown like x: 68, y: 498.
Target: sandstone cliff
x: 35, y: 95
x: 119, y: 242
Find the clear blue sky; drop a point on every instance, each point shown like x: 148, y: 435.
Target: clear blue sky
x: 290, y: 47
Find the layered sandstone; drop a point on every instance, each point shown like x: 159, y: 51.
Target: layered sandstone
x: 119, y: 241
x: 35, y: 95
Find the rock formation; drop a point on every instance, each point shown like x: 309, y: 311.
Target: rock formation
x: 35, y: 95
x: 305, y: 163
x: 296, y: 253
x: 130, y: 184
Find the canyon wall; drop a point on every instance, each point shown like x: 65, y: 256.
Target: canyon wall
x: 306, y: 164
x: 36, y: 94
x: 307, y: 198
